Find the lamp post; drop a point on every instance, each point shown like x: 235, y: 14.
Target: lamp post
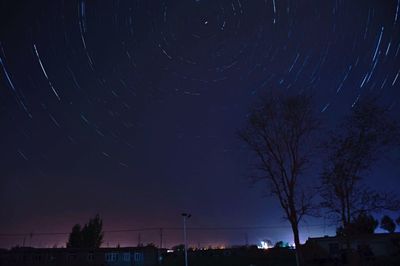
x: 185, y: 216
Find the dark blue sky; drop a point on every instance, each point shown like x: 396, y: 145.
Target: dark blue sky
x: 130, y: 108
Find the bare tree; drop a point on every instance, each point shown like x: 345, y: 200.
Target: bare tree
x: 388, y: 224
x: 366, y: 134
x: 279, y: 132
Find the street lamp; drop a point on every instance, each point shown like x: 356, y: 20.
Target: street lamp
x: 185, y: 216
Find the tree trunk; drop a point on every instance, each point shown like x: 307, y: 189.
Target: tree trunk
x: 299, y: 257
x: 343, y: 214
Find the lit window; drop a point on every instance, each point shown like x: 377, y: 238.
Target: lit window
x: 127, y: 257
x: 90, y: 257
x: 111, y: 256
x: 37, y: 257
x: 138, y: 256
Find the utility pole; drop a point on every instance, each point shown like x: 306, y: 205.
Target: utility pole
x: 161, y: 237
x: 185, y: 216
x: 30, y: 239
x: 160, y: 247
x: 139, y: 240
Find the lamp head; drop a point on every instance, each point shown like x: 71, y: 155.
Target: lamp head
x: 187, y: 215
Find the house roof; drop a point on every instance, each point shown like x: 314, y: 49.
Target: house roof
x: 77, y: 250
x: 358, y: 237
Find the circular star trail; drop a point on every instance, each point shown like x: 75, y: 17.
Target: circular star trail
x: 130, y: 108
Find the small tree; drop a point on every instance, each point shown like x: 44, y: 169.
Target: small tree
x: 353, y: 148
x: 281, y: 244
x: 280, y: 132
x: 75, y: 237
x: 179, y: 248
x: 363, y: 224
x: 388, y: 224
x: 90, y: 236
x: 92, y: 233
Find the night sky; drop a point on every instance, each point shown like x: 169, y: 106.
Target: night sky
x: 130, y: 109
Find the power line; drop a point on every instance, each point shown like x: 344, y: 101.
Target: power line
x: 218, y: 228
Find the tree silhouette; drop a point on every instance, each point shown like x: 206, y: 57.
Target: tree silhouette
x: 75, y: 237
x: 178, y: 248
x: 279, y: 132
x: 363, y: 224
x: 398, y: 220
x: 388, y: 224
x: 90, y: 236
x: 352, y: 150
x: 281, y: 244
x: 92, y: 233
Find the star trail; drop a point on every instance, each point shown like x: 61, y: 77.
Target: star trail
x: 130, y: 108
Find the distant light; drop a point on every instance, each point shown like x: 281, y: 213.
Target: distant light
x: 170, y: 250
x: 264, y: 245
